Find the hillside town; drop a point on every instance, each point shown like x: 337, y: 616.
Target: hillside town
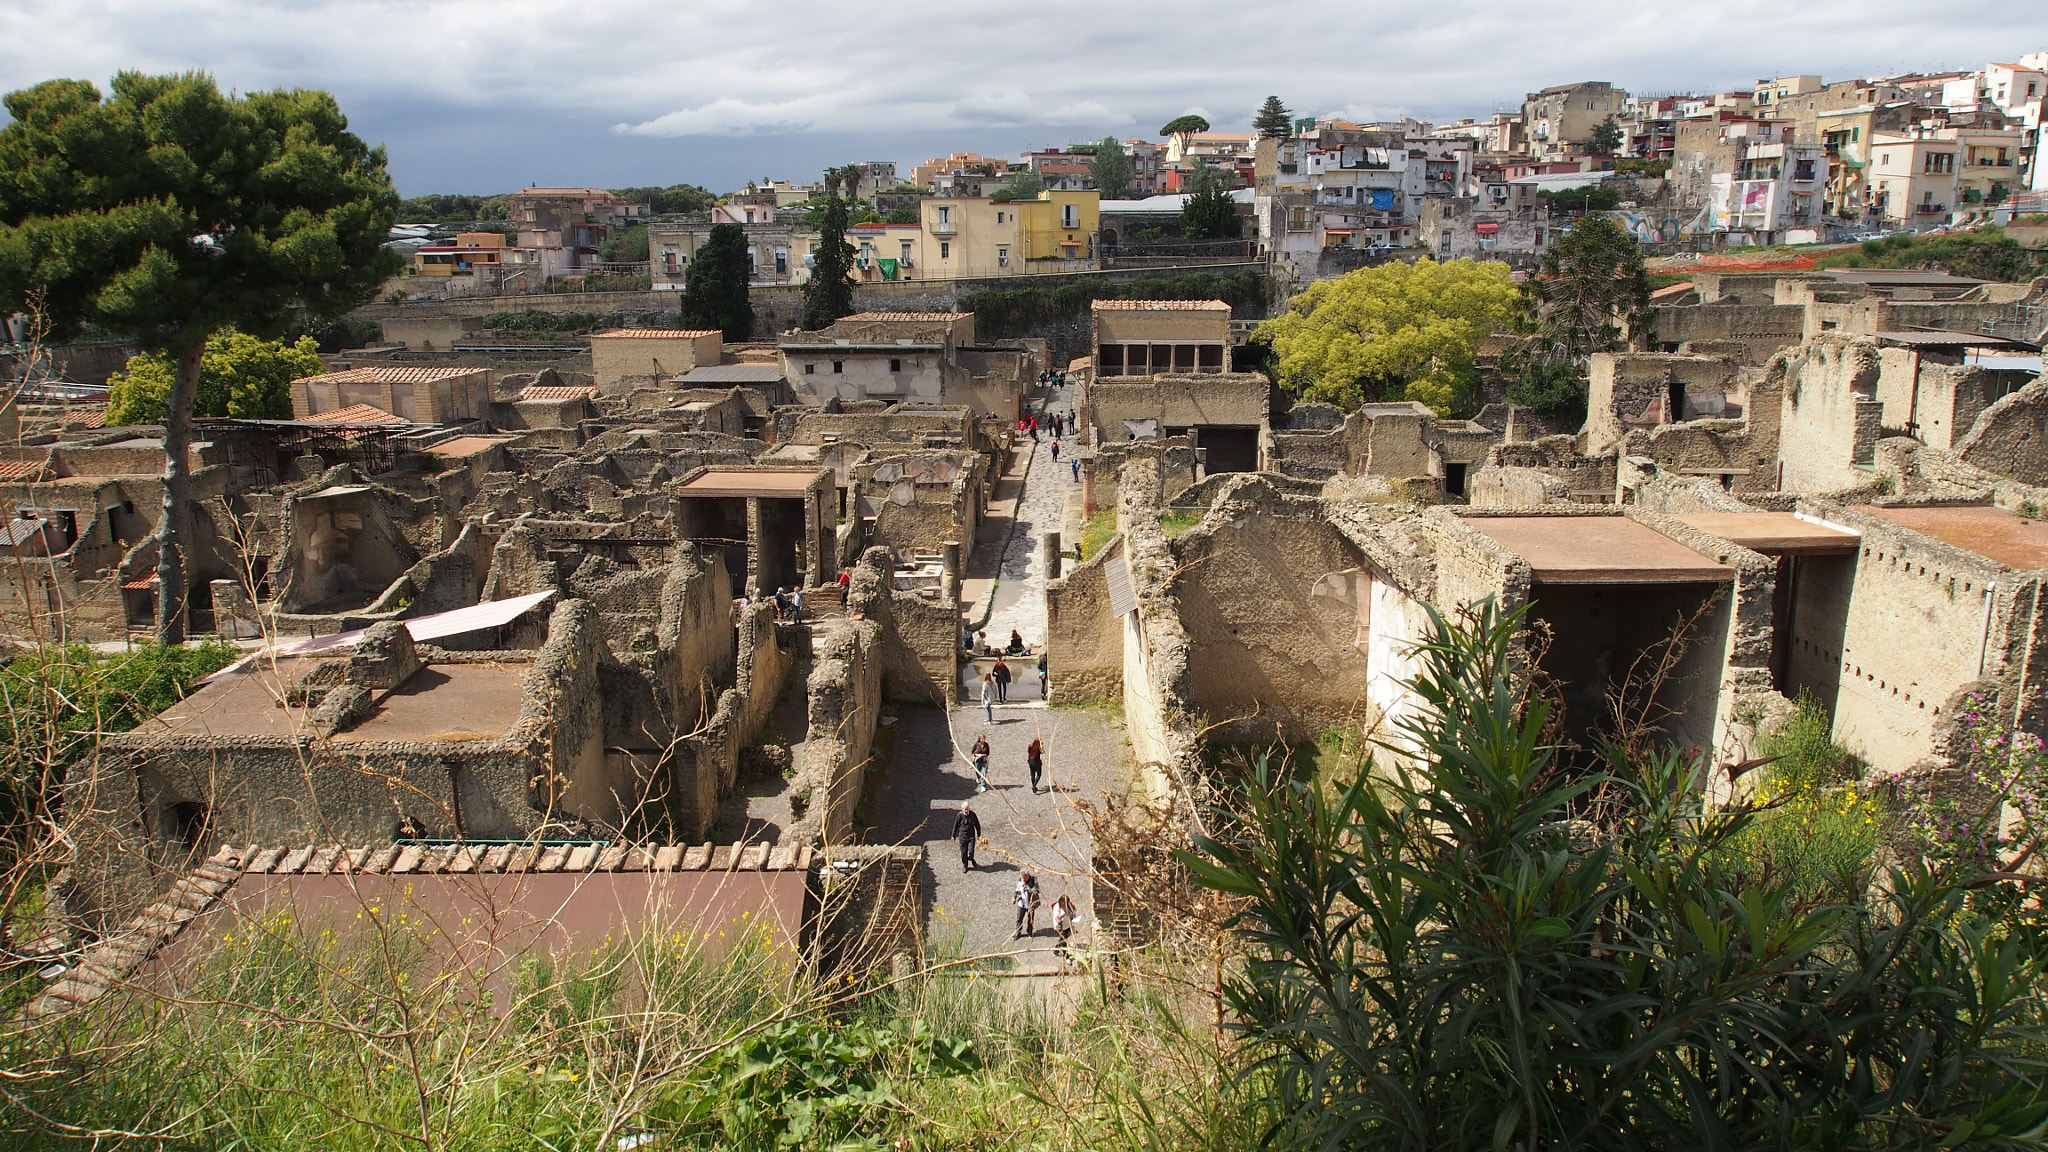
x: 928, y: 568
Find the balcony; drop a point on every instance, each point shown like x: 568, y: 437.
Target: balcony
x: 945, y: 228
x: 1929, y: 209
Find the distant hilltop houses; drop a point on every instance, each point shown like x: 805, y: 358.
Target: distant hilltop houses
x: 1790, y: 159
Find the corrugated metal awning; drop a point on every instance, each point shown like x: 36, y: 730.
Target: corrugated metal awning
x: 1122, y: 601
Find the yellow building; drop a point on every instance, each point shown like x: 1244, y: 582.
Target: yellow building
x: 1061, y: 225
x: 970, y: 237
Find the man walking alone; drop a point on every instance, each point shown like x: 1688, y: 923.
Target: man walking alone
x: 967, y: 830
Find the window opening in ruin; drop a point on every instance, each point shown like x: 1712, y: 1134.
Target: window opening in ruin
x: 187, y: 825
x: 1454, y: 479
x: 1674, y: 401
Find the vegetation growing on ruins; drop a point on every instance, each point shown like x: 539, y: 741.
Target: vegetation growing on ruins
x: 1393, y: 332
x: 321, y: 1037
x: 1492, y: 949
x: 1591, y: 293
x: 1985, y: 253
x: 56, y: 702
x: 239, y: 376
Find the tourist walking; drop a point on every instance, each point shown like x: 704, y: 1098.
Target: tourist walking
x: 988, y: 695
x: 1026, y: 900
x: 796, y: 606
x: 1034, y: 756
x: 1002, y: 674
x: 967, y: 830
x: 1064, y: 917
x: 1075, y: 464
x: 1055, y: 445
x: 980, y: 753
x: 781, y: 603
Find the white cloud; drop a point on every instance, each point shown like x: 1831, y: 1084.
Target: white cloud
x: 717, y: 70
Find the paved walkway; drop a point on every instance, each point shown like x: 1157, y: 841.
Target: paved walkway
x: 1019, y: 594
x: 1044, y: 833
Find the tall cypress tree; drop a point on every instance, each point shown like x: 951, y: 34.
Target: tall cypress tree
x: 715, y: 291
x: 829, y: 293
x: 1209, y: 213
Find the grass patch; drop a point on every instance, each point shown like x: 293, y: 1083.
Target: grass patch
x: 357, y: 1039
x: 1176, y: 523
x: 1097, y: 532
x: 1825, y: 833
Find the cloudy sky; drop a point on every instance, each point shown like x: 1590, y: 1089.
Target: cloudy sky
x: 487, y: 95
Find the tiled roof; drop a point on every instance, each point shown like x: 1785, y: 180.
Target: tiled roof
x: 664, y: 333
x: 110, y: 962
x: 918, y: 316
x: 355, y: 414
x: 1160, y: 306
x: 16, y: 469
x: 140, y: 584
x: 380, y: 374
x: 588, y: 857
x: 97, y: 418
x: 555, y: 392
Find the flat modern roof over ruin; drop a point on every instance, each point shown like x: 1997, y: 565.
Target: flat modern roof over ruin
x: 1947, y: 340
x: 735, y: 482
x: 1599, y: 550
x: 730, y: 374
x: 1774, y: 533
x: 1992, y: 533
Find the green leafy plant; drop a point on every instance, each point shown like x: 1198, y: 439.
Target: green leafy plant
x: 239, y: 376
x: 1474, y: 943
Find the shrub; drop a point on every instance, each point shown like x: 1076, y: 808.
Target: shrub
x: 1481, y: 947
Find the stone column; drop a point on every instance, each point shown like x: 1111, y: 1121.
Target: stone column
x: 754, y: 546
x: 949, y: 583
x: 1052, y: 555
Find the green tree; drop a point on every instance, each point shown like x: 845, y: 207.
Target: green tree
x: 1397, y: 331
x: 715, y: 288
x: 240, y: 375
x: 167, y: 211
x: 1581, y: 200
x: 1274, y: 121
x: 1209, y: 213
x: 1607, y: 138
x: 672, y: 200
x: 828, y: 294
x: 1589, y: 293
x: 1180, y: 124
x: 1111, y: 169
x: 628, y: 246
x: 901, y: 216
x: 1024, y: 184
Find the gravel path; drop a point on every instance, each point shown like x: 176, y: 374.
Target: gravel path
x: 1044, y: 833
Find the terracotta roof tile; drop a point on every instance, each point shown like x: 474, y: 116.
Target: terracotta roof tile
x: 16, y: 469
x: 662, y: 333
x: 555, y: 392
x: 355, y: 414
x: 381, y: 374
x: 922, y: 317
x: 1159, y: 306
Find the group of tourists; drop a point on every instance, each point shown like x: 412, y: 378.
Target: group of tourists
x: 1025, y: 897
